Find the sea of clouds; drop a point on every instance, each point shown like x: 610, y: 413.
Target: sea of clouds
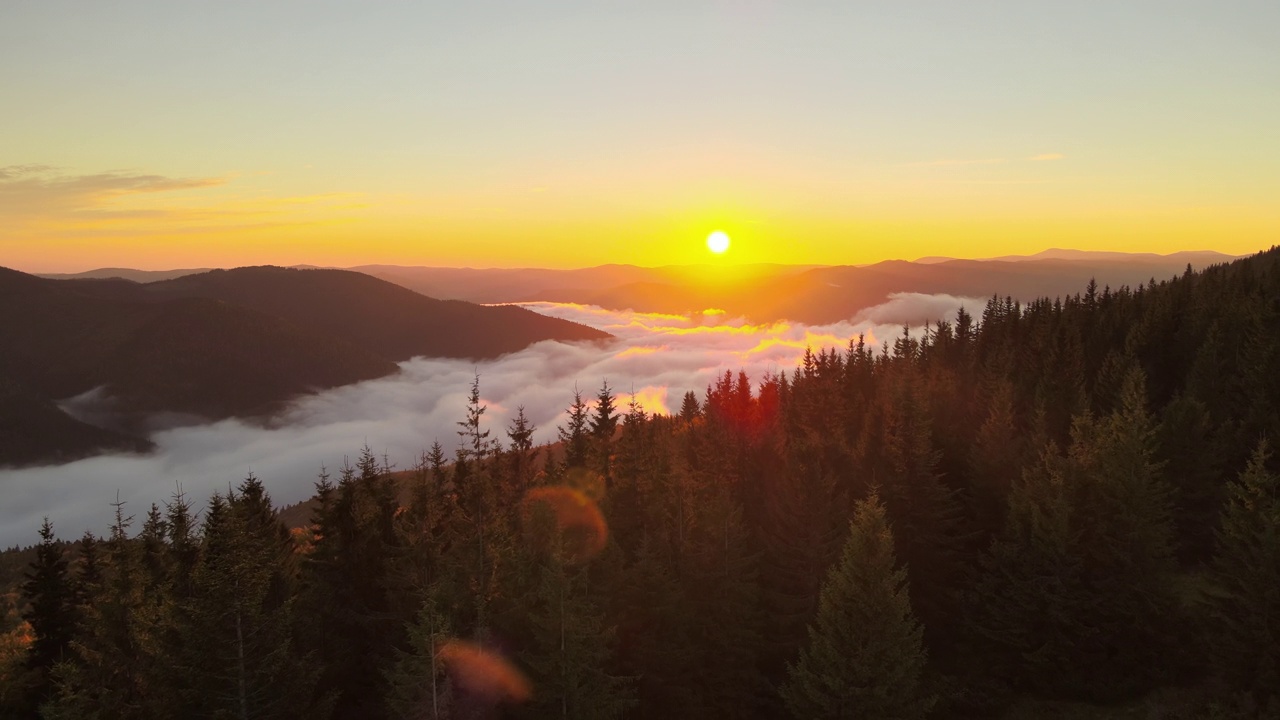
x: 655, y: 357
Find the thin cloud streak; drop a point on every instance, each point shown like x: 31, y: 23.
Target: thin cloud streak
x: 34, y: 190
x: 43, y: 201
x: 655, y: 356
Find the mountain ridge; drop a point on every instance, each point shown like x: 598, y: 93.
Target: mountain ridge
x: 228, y: 343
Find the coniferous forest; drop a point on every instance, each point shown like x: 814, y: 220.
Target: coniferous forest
x: 1072, y: 503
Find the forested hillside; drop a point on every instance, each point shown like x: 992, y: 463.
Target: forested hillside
x: 217, y: 344
x: 1068, y: 504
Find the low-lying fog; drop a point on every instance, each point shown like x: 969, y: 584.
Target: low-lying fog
x: 658, y: 357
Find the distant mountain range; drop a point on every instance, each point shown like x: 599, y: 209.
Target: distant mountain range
x: 216, y: 344
x: 811, y: 294
x: 1195, y: 257
x: 769, y: 292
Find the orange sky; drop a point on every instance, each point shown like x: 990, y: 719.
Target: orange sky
x: 160, y: 135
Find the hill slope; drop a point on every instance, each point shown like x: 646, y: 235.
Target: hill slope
x: 382, y: 317
x: 219, y: 344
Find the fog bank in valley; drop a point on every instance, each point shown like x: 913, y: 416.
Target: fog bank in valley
x: 656, y: 357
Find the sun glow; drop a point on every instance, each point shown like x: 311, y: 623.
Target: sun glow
x: 718, y: 242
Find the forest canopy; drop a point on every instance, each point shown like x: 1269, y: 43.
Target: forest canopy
x: 1072, y: 500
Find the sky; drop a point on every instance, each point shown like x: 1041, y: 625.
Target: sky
x: 654, y: 358
x: 514, y: 134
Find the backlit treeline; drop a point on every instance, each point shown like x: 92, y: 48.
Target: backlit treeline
x: 1071, y: 499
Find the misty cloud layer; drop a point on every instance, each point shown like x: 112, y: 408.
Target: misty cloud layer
x: 658, y: 357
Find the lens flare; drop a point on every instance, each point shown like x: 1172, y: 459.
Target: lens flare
x: 564, y: 518
x: 483, y: 673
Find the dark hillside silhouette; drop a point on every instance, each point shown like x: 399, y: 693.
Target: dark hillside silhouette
x: 33, y: 429
x: 379, y: 316
x: 219, y: 344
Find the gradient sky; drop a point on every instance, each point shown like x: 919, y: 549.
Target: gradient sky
x: 184, y: 134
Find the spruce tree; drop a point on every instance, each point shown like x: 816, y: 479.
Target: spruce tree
x: 925, y: 511
x: 995, y: 461
x: 1246, y: 600
x: 1075, y: 597
x: 571, y: 649
x: 520, y: 433
x: 236, y: 652
x: 576, y: 437
x: 475, y: 441
x: 603, y: 424
x: 656, y: 628
x: 722, y: 584
x: 51, y: 611
x: 1125, y: 520
x: 88, y: 578
x: 345, y: 589
x: 865, y: 655
x: 1031, y: 605
x: 1193, y: 456
x: 689, y: 409
x: 417, y: 688
x: 109, y: 678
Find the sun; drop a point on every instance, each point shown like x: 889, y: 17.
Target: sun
x: 718, y: 242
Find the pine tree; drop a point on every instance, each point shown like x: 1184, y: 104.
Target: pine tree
x: 721, y: 581
x: 1246, y: 602
x: 1126, y: 543
x: 476, y: 442
x: 345, y: 589
x: 88, y: 578
x: 603, y: 424
x: 1075, y: 598
x: 237, y: 654
x: 865, y: 655
x: 417, y: 686
x: 154, y: 558
x: 800, y: 538
x: 575, y: 436
x: 925, y: 511
x: 1031, y: 605
x: 1193, y: 456
x: 421, y: 528
x: 481, y: 514
x: 184, y: 546
x: 571, y: 647
x: 520, y: 433
x: 109, y: 677
x: 656, y: 626
x: 994, y: 462
x: 51, y: 612
x: 689, y: 409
